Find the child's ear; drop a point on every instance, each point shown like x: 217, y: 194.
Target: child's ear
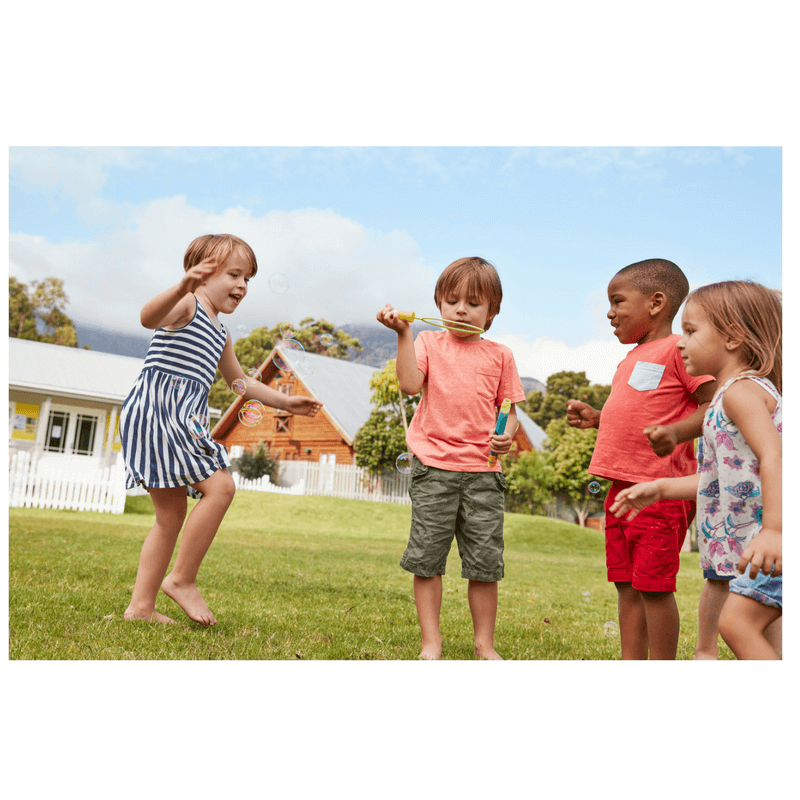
x: 658, y: 303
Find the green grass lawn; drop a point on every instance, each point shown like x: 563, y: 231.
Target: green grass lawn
x: 308, y: 578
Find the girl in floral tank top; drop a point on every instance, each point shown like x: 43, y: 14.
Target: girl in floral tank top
x: 733, y: 331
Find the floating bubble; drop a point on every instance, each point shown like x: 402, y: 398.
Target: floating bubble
x: 326, y: 340
x: 404, y: 463
x: 296, y: 349
x: 304, y: 370
x: 587, y: 596
x: 279, y: 283
x: 197, y: 425
x: 250, y: 417
x: 287, y: 330
x: 253, y: 374
x: 243, y: 331
x: 256, y: 404
x: 610, y: 629
x: 239, y: 386
x: 178, y: 381
x: 594, y: 487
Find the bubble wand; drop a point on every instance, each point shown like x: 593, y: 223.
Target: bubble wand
x: 459, y: 327
x: 499, y: 429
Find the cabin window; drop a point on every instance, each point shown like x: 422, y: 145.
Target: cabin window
x: 282, y: 424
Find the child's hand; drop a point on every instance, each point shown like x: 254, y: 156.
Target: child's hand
x: 500, y: 444
x: 763, y: 553
x: 663, y: 439
x: 196, y: 276
x: 634, y: 499
x: 582, y: 415
x: 388, y: 316
x: 304, y: 406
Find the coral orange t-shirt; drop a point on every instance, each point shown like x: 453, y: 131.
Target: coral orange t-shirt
x: 464, y: 384
x: 650, y: 387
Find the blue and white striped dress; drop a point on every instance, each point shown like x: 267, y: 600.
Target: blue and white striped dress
x: 154, y: 423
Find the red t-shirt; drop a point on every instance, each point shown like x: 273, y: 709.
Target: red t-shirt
x: 464, y: 383
x: 650, y: 387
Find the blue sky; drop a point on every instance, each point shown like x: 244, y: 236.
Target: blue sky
x: 353, y: 228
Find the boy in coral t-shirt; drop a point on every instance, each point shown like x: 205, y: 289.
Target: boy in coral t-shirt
x: 453, y: 491
x: 645, y: 431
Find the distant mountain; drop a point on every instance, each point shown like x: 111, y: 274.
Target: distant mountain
x: 379, y: 343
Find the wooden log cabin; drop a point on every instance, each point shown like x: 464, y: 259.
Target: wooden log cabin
x: 343, y: 389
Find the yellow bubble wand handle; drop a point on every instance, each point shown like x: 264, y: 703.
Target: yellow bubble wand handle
x: 500, y: 428
x: 447, y: 324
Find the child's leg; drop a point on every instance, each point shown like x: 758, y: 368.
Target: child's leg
x: 632, y: 622
x: 170, y: 507
x: 774, y: 635
x: 483, y: 606
x: 712, y: 598
x: 199, y: 532
x: 663, y: 624
x: 428, y: 598
x: 743, y: 622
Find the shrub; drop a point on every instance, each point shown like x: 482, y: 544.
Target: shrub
x: 256, y: 463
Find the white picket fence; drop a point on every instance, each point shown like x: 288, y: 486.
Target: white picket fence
x: 333, y: 480
x: 33, y: 485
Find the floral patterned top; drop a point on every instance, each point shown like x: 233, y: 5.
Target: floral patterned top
x: 729, y: 502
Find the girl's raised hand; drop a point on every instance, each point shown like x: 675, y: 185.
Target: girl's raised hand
x: 632, y: 500
x: 304, y: 406
x: 763, y: 553
x: 196, y: 276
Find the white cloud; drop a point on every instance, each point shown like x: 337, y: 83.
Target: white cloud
x: 541, y: 357
x: 337, y: 268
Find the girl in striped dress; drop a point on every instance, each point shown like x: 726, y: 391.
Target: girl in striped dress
x: 166, y: 446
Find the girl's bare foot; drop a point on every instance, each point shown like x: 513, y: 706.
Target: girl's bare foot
x: 147, y: 616
x: 489, y: 653
x: 431, y: 652
x: 189, y: 599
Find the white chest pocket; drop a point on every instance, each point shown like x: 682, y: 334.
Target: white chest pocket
x: 645, y: 376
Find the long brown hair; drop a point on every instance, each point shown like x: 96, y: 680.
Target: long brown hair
x: 753, y: 313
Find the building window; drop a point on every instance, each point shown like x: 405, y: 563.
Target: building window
x: 282, y: 424
x: 286, y: 388
x: 83, y: 443
x: 56, y: 439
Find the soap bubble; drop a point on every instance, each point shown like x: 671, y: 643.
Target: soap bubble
x: 304, y: 370
x: 298, y: 354
x: 253, y: 374
x: 326, y: 340
x: 404, y: 463
x: 587, y: 596
x: 594, y: 487
x: 254, y: 404
x: 287, y: 330
x: 243, y: 331
x: 279, y: 283
x: 197, y: 424
x: 610, y: 629
x: 239, y: 387
x: 250, y: 416
x: 178, y: 381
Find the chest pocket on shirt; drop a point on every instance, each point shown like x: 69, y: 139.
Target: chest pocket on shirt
x: 645, y: 376
x: 487, y: 382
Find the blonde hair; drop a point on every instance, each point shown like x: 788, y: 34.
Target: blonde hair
x: 482, y: 282
x: 752, y: 313
x: 221, y: 245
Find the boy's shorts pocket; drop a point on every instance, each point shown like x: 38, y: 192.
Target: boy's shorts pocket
x: 645, y: 376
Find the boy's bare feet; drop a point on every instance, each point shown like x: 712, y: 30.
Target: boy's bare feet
x: 189, y: 599
x: 147, y: 616
x: 489, y: 653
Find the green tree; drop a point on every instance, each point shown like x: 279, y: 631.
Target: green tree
x: 252, y: 350
x: 256, y: 463
x: 530, y: 477
x: 569, y: 453
x: 44, y: 302
x: 544, y: 407
x: 382, y: 438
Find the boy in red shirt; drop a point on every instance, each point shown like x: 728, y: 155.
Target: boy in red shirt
x: 453, y: 490
x: 645, y: 431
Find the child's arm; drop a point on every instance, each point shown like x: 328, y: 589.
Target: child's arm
x: 231, y: 370
x: 632, y: 500
x: 409, y: 375
x: 582, y: 415
x: 745, y: 402
x: 665, y: 438
x: 174, y: 308
x: 500, y: 444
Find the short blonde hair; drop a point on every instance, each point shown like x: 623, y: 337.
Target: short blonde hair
x: 751, y: 312
x: 220, y: 245
x: 482, y: 281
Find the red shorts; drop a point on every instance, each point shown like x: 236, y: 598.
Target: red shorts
x: 645, y: 552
